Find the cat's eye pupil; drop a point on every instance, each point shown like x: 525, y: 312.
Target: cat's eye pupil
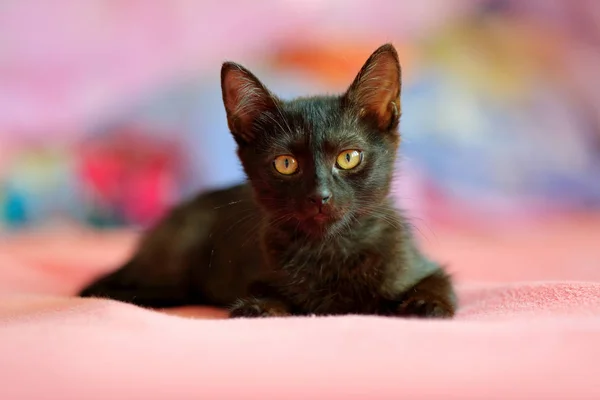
x: 348, y: 157
x: 287, y: 163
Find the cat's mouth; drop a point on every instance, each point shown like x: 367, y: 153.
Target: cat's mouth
x: 322, y: 217
x: 320, y: 223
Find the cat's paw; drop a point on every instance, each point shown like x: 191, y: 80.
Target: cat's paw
x: 258, y: 308
x: 432, y: 297
x: 426, y: 307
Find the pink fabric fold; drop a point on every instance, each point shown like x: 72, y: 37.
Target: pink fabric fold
x: 512, y: 339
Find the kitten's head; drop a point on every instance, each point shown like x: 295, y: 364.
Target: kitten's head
x: 319, y: 162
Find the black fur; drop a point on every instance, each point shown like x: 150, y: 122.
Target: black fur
x: 268, y: 248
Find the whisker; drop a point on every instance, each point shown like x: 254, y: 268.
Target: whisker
x: 231, y: 203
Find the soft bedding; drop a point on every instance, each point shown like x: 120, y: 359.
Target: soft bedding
x: 528, y: 328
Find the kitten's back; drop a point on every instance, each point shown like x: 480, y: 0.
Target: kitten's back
x: 204, y: 251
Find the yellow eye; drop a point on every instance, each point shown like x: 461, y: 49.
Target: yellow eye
x: 285, y: 165
x: 349, y: 159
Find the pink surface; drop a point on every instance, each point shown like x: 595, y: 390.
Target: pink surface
x: 529, y: 328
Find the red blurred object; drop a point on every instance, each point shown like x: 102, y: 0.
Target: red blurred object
x: 130, y: 174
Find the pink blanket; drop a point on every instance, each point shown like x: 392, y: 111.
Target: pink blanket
x: 529, y: 328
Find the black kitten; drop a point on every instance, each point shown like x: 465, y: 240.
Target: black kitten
x: 315, y: 230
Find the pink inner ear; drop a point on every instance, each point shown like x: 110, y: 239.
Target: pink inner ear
x: 378, y: 87
x: 242, y: 94
x: 245, y: 99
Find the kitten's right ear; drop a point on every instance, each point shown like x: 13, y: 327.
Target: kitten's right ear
x: 375, y: 92
x: 245, y: 98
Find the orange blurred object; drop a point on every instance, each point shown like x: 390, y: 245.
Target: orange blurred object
x: 334, y: 63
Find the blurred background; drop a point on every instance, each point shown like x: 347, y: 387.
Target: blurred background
x: 110, y: 111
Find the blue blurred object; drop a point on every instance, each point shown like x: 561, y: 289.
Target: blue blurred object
x: 479, y: 147
x: 14, y: 210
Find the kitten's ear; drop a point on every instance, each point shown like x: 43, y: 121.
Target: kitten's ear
x: 375, y: 92
x: 245, y: 98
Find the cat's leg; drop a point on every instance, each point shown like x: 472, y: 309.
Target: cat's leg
x: 432, y: 297
x: 253, y: 307
x: 143, y: 297
x: 128, y: 284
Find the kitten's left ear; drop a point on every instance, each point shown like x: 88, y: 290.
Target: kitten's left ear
x: 375, y: 92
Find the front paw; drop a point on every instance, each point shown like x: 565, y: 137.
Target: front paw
x: 424, y: 306
x: 258, y: 308
x: 432, y: 297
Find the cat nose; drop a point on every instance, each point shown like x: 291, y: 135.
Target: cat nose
x: 321, y: 197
